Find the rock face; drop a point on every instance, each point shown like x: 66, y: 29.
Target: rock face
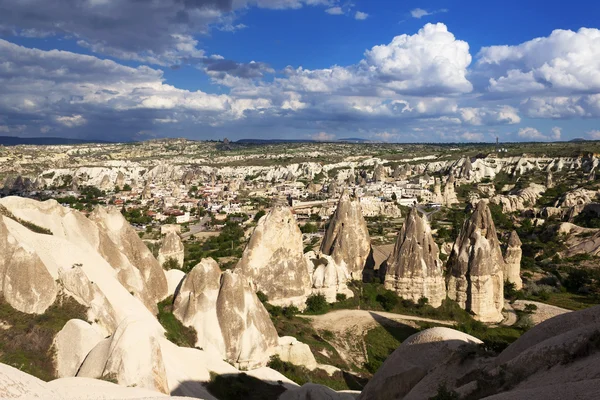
x: 328, y: 277
x: 404, y: 373
x: 520, y: 200
x: 72, y: 344
x: 414, y: 269
x: 379, y: 173
x: 171, y: 247
x: 347, y: 239
x: 475, y: 267
x: 450, y: 197
x: 273, y: 261
x: 228, y: 317
x: 512, y: 259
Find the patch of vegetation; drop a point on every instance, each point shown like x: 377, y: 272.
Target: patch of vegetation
x: 242, y: 386
x: 227, y: 244
x: 29, y: 225
x: 382, y: 341
x: 316, y: 304
x: 26, y: 339
x: 177, y: 333
x: 301, y: 375
x: 444, y: 393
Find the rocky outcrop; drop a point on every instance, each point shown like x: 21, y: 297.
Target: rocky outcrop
x: 450, y: 197
x: 379, y: 173
x: 327, y: 277
x: 120, y: 180
x: 171, y: 248
x: 228, y: 317
x: 512, y: 259
x: 414, y: 269
x: 273, y: 261
x: 521, y: 199
x: 347, y: 238
x: 577, y: 197
x: 72, y: 344
x: 475, y: 278
x: 404, y: 374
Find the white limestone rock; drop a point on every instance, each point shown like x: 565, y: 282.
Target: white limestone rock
x: 414, y: 269
x: 171, y: 247
x: 273, y: 261
x: 512, y: 259
x: 347, y: 239
x: 72, y: 345
x: 475, y: 278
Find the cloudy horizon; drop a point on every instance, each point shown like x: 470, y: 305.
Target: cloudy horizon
x: 296, y: 69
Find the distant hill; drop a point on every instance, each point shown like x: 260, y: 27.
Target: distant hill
x: 578, y: 140
x: 354, y: 140
x: 15, y: 141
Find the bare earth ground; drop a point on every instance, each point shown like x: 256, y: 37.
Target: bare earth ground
x: 543, y: 312
x: 349, y: 327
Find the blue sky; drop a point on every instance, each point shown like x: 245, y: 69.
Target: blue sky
x: 399, y: 71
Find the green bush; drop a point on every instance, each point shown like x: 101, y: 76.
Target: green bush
x: 176, y: 332
x: 316, y: 304
x: 388, y: 300
x: 262, y: 297
x: 340, y: 297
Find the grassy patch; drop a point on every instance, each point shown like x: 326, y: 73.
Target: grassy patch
x: 570, y: 301
x: 177, y: 333
x: 302, y: 330
x: 26, y: 341
x: 382, y: 341
x: 301, y: 375
x: 242, y: 386
x: 29, y: 225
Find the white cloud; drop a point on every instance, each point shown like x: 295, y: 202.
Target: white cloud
x: 71, y: 121
x: 593, y: 134
x: 420, y: 13
x: 489, y: 116
x: 335, y: 11
x: 533, y: 135
x: 323, y: 137
x: 472, y: 136
x: 359, y: 15
x: 564, y: 62
x: 586, y: 106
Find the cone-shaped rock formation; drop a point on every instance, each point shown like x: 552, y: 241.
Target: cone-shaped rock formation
x: 273, y: 261
x: 475, y: 267
x: 347, y: 239
x: 512, y: 258
x: 414, y: 269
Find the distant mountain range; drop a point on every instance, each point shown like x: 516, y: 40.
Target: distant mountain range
x: 15, y: 141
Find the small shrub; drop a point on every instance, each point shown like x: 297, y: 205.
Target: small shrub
x: 262, y: 297
x: 340, y: 297
x: 316, y: 304
x: 388, y: 300
x: 444, y: 393
x: 171, y: 263
x: 290, y: 311
x: 176, y: 332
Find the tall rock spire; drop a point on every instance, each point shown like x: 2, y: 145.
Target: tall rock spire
x: 512, y: 258
x: 347, y: 239
x: 475, y: 268
x: 414, y: 269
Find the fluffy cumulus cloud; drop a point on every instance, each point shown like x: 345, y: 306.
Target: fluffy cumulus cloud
x: 533, y: 135
x: 66, y: 90
x: 420, y: 13
x: 359, y: 15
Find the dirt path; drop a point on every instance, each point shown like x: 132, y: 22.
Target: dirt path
x: 349, y: 327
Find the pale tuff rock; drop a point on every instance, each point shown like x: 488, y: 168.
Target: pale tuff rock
x: 171, y: 247
x: 105, y: 184
x: 328, y: 277
x: 520, y: 200
x: 289, y: 349
x: 577, y: 197
x: 146, y: 193
x: 437, y: 192
x: 16, y: 384
x: 228, y: 317
x: 450, y: 197
x: 122, y: 253
x: 404, y: 373
x: 347, y: 238
x: 379, y: 173
x: 72, y: 345
x: 174, y: 278
x: 385, y: 208
x: 132, y: 355
x: 120, y: 181
x: 111, y: 221
x: 27, y: 285
x: 475, y: 268
x: 466, y: 170
x: 414, y: 269
x: 549, y: 180
x: 512, y: 258
x: 273, y: 261
x: 314, y: 188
